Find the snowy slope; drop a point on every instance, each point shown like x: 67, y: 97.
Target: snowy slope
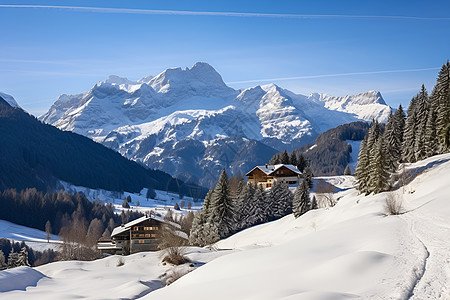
x: 180, y: 113
x: 10, y: 99
x: 352, y: 250
x: 34, y: 238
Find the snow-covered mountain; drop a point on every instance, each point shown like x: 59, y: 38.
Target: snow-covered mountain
x: 9, y: 99
x: 176, y: 120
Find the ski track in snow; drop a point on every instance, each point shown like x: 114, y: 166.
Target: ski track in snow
x: 435, y: 273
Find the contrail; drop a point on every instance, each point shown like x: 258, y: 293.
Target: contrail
x: 214, y: 13
x: 331, y: 75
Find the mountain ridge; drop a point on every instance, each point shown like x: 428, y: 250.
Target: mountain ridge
x: 145, y: 120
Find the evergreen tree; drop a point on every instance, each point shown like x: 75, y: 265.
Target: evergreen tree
x: 379, y: 175
x: 301, y: 162
x: 128, y: 198
x: 431, y: 141
x: 176, y: 206
x: 362, y: 168
x: 399, y: 128
x: 301, y: 203
x: 2, y: 261
x: 421, y: 109
x: 390, y: 143
x: 257, y: 213
x: 125, y: 204
x: 13, y: 259
x: 23, y: 258
x: 442, y: 103
x: 347, y: 170
x: 279, y: 200
x: 314, y: 203
x: 244, y: 207
x: 151, y: 194
x: 222, y: 210
x: 293, y: 158
x: 410, y: 133
x: 308, y: 177
x: 285, y: 157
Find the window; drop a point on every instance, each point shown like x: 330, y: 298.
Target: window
x: 141, y: 241
x: 147, y: 235
x: 153, y: 235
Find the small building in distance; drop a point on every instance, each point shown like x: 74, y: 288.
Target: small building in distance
x: 267, y: 175
x: 143, y: 234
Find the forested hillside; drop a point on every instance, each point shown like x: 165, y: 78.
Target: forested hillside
x: 330, y: 153
x: 33, y: 154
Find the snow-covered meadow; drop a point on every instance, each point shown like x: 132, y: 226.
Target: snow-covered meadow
x: 352, y: 250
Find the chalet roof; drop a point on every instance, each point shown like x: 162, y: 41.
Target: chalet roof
x: 269, y: 169
x: 127, y: 226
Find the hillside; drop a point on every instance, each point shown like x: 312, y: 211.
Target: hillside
x: 38, y: 155
x: 176, y: 120
x: 352, y: 250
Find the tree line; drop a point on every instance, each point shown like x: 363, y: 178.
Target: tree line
x: 424, y: 132
x: 234, y: 205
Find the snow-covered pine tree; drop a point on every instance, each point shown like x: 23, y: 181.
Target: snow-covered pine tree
x: 13, y: 259
x: 244, y: 207
x: 281, y: 199
x: 308, y: 176
x: 347, y: 170
x: 196, y: 235
x: 421, y: 109
x: 258, y: 205
x: 285, y: 157
x: 399, y: 128
x: 221, y: 207
x: 442, y: 100
x: 431, y: 141
x: 2, y: 261
x: 301, y: 203
x: 390, y: 144
x: 362, y: 168
x: 409, y: 134
x: 379, y: 175
x: 23, y: 257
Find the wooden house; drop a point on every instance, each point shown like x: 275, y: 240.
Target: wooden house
x: 267, y: 175
x: 143, y: 234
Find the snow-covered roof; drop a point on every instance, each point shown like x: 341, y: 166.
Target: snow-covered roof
x: 127, y: 226
x: 268, y: 169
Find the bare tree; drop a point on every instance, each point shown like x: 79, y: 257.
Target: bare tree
x: 325, y: 193
x: 48, y: 230
x: 393, y: 204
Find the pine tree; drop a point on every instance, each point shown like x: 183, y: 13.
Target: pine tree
x: 410, y: 133
x: 13, y: 259
x: 23, y: 257
x: 362, y: 168
x: 151, y: 194
x: 379, y: 176
x: 347, y: 170
x: 421, y: 109
x: 301, y: 162
x: 390, y: 143
x: 399, y: 128
x: 244, y: 206
x: 301, y: 203
x: 293, y: 158
x: 314, y: 204
x: 431, y: 141
x: 279, y: 198
x: 222, y: 210
x: 442, y: 102
x: 2, y: 261
x: 258, y: 207
x: 308, y: 177
x: 285, y: 157
x: 125, y: 204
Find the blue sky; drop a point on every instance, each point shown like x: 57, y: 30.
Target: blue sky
x: 45, y: 52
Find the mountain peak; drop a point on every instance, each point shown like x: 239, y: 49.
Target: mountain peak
x: 9, y: 99
x: 114, y: 79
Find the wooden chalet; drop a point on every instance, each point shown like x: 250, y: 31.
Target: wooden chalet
x: 267, y: 175
x: 143, y: 234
